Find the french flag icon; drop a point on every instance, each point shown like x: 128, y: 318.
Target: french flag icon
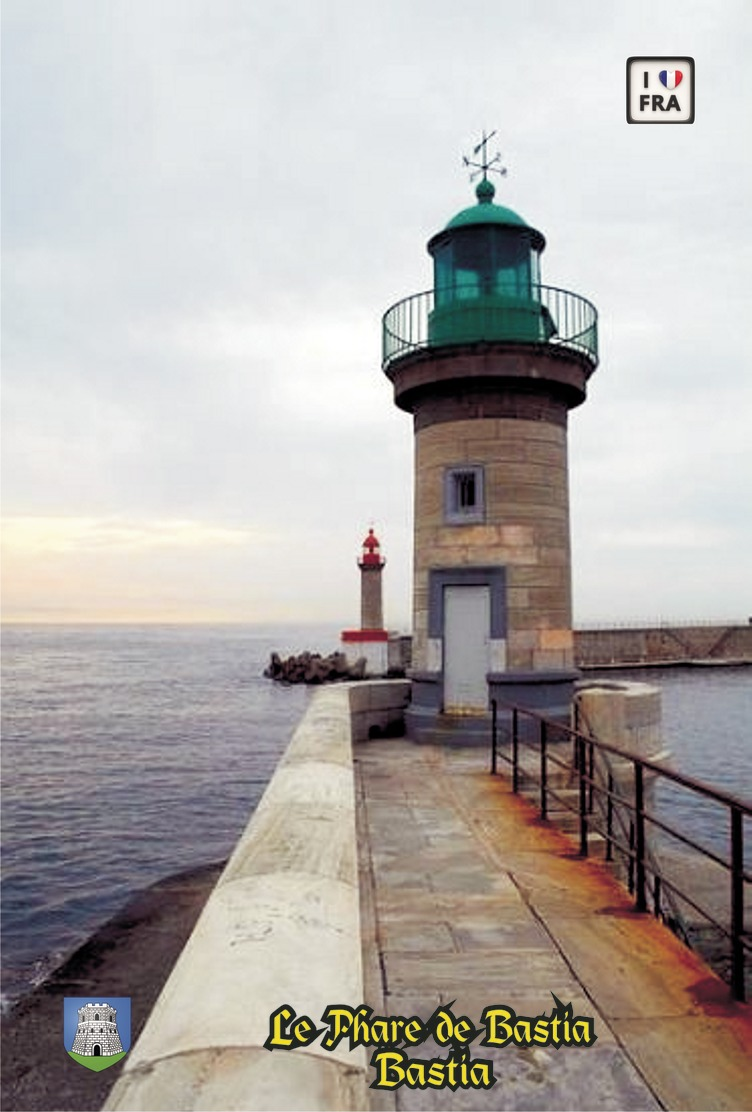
x: 670, y: 78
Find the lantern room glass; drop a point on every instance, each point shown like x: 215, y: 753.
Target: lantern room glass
x: 485, y: 261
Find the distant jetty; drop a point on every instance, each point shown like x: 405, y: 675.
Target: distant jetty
x: 658, y: 646
x: 645, y: 646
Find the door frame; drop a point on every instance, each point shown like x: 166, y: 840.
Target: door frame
x: 494, y: 577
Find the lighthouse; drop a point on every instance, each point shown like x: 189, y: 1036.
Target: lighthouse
x: 371, y: 640
x: 489, y: 362
x: 371, y: 564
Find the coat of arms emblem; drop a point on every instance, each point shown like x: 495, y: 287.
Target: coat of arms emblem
x: 97, y: 1033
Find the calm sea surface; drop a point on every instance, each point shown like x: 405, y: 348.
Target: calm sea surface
x: 707, y: 726
x: 130, y: 753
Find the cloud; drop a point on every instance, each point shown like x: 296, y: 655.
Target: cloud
x: 33, y: 536
x: 676, y: 536
x: 207, y: 208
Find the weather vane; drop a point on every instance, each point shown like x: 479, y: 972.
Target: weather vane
x: 486, y: 163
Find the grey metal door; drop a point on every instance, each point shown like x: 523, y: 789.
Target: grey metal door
x: 467, y: 624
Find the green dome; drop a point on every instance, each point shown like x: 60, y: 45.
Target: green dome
x: 486, y: 212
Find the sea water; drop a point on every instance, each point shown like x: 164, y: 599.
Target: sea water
x: 130, y: 753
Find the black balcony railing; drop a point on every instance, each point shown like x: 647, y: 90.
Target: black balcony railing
x: 544, y: 315
x: 537, y: 748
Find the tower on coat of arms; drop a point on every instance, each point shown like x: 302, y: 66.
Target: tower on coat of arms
x: 97, y: 1034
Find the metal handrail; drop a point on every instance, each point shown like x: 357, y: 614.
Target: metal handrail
x: 571, y: 321
x: 641, y: 861
x: 613, y: 811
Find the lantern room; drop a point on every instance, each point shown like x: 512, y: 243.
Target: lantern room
x: 371, y: 557
x: 487, y: 277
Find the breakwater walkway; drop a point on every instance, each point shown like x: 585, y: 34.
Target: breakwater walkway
x: 404, y: 878
x: 469, y: 897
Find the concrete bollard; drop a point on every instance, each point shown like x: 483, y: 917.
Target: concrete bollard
x: 629, y: 716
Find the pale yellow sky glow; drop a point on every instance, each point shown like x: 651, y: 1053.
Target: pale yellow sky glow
x: 115, y: 569
x: 31, y: 536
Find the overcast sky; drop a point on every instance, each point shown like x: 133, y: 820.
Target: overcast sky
x: 209, y: 204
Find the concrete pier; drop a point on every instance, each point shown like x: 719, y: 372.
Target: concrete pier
x: 403, y: 876
x: 659, y: 646
x: 472, y: 899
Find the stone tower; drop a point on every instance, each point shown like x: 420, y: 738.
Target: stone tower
x: 489, y: 362
x: 371, y: 564
x: 371, y: 640
x: 97, y: 1032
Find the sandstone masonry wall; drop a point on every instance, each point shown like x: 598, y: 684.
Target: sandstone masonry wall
x: 526, y: 528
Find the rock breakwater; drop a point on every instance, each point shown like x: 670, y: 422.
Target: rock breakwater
x: 314, y: 668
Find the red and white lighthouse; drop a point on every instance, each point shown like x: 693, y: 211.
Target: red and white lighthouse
x: 371, y: 639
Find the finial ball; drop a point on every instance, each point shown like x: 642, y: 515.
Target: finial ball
x: 485, y: 191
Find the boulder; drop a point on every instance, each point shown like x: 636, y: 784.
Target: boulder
x: 313, y: 668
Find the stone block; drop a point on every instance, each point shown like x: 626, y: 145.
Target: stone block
x: 525, y: 639
x: 249, y: 951
x: 518, y: 598
x: 299, y: 838
x: 519, y: 658
x: 550, y: 601
x: 521, y: 473
x: 472, y: 535
x: 642, y: 708
x: 359, y: 720
x: 446, y: 441
x: 500, y: 451
x: 557, y: 554
x: 627, y: 715
x: 318, y: 783
x: 289, y: 891
x: 245, y: 1078
x: 547, y: 452
x: 516, y: 536
x: 561, y: 639
x: 382, y: 695
x: 540, y: 574
x: 545, y: 659
x: 522, y: 557
x: 420, y: 595
x: 532, y: 431
x: 522, y: 513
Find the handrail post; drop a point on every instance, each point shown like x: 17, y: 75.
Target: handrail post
x: 493, y: 736
x: 543, y: 769
x: 610, y: 819
x: 737, y: 905
x: 583, y: 796
x: 641, y: 902
x: 642, y: 871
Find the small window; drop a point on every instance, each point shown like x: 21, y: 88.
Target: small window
x: 464, y: 496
